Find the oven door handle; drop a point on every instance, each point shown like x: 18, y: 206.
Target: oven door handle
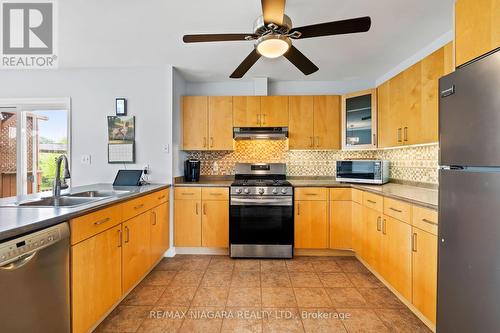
x: 288, y: 201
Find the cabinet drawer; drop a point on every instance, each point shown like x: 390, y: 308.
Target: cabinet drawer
x: 373, y: 201
x: 425, y: 219
x: 91, y: 224
x: 357, y: 196
x: 215, y: 193
x: 159, y: 197
x: 311, y: 193
x: 340, y: 194
x: 397, y: 209
x: 136, y: 206
x: 187, y: 193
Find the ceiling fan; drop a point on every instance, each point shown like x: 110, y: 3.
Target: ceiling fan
x: 273, y: 33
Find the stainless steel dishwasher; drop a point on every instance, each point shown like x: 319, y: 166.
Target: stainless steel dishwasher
x: 34, y: 282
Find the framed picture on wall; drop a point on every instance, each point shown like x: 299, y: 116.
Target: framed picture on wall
x: 121, y: 128
x: 121, y: 106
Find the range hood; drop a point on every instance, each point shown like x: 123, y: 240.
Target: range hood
x: 256, y: 133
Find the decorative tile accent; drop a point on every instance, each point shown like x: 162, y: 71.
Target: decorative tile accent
x: 416, y: 163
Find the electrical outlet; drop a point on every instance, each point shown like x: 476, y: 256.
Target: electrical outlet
x: 86, y: 159
x: 146, y: 169
x: 166, y: 148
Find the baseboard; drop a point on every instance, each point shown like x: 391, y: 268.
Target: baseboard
x: 201, y: 250
x: 410, y: 306
x: 323, y: 253
x: 170, y: 253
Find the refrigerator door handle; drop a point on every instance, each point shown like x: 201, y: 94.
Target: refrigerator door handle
x: 448, y: 92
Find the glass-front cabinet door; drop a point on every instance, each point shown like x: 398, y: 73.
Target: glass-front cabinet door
x: 359, y: 120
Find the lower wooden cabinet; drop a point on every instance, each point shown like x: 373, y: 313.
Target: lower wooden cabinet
x: 136, y: 257
x: 96, y: 277
x: 372, y: 237
x: 340, y: 224
x: 357, y: 225
x: 204, y: 220
x: 311, y: 224
x: 187, y: 223
x: 396, y: 258
x: 160, y: 231
x: 214, y: 223
x: 424, y: 279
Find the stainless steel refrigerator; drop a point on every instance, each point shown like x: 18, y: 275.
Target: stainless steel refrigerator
x: 469, y: 199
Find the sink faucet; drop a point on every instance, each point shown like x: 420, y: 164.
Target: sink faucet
x: 58, y: 182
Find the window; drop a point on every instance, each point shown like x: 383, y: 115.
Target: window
x: 32, y: 135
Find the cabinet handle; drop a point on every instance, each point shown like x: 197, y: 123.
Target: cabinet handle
x: 399, y: 135
x: 154, y: 217
x: 379, y: 222
x: 162, y: 197
x: 204, y: 142
x: 374, y: 139
x: 204, y: 209
x: 383, y: 227
x: 317, y: 142
x: 188, y: 193
x: 312, y: 142
x: 211, y: 142
x: 428, y: 221
x: 406, y: 133
x: 298, y: 208
x: 258, y: 119
x: 310, y: 193
x: 139, y: 206
x: 371, y: 201
x: 196, y: 208
x: 127, y: 235
x: 263, y: 119
x: 396, y: 210
x: 120, y: 238
x: 216, y: 194
x: 102, y: 221
x: 414, y: 242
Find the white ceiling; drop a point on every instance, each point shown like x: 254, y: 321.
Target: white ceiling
x: 130, y: 33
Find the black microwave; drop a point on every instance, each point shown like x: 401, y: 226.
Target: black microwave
x: 363, y: 171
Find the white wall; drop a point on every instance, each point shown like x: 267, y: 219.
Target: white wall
x: 178, y: 90
x: 93, y: 92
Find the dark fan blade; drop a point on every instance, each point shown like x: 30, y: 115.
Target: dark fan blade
x: 300, y: 61
x: 215, y: 37
x: 273, y: 11
x: 360, y: 24
x: 249, y: 61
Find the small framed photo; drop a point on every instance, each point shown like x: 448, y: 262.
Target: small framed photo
x: 121, y: 106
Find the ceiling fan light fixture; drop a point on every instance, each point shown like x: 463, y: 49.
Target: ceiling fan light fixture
x: 273, y: 46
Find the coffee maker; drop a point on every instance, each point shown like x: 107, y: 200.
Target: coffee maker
x: 192, y: 170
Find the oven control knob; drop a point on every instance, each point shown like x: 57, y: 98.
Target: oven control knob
x: 283, y: 190
x: 261, y: 191
x: 238, y: 190
x: 275, y: 191
x: 246, y: 191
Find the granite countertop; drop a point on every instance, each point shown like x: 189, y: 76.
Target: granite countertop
x: 15, y: 220
x: 422, y: 196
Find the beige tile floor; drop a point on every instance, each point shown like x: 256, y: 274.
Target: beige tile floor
x: 219, y: 294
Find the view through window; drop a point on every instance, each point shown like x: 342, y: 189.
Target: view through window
x: 30, y: 142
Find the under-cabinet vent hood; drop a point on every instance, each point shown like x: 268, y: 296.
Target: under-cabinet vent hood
x: 256, y: 133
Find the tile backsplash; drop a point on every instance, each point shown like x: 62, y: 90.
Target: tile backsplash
x: 416, y: 164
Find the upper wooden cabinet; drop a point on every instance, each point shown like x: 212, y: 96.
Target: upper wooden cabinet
x: 359, y: 120
x: 477, y: 28
x: 246, y: 111
x: 314, y: 122
x: 207, y: 123
x: 274, y: 111
x: 408, y: 103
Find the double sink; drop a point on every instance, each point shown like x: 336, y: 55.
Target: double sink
x: 71, y: 199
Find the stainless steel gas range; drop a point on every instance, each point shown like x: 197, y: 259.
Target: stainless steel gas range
x: 261, y: 212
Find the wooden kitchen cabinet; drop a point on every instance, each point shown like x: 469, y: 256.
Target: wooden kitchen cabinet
x: 215, y: 223
x: 301, y: 122
x: 327, y: 122
x: 187, y: 222
x: 340, y: 218
x: 194, y: 123
x: 160, y: 231
x: 357, y: 227
x: 311, y: 224
x: 396, y: 258
x: 274, y: 111
x: 220, y: 118
x: 477, y: 28
x: 359, y: 120
x: 372, y: 238
x: 96, y: 277
x: 207, y: 123
x: 246, y: 111
x: 136, y: 255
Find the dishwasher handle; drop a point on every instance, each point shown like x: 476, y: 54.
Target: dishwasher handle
x: 22, y: 261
